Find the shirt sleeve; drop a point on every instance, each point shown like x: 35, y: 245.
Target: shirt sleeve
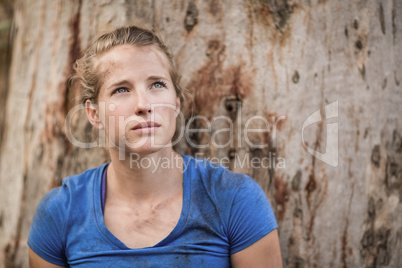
x: 251, y: 216
x: 46, y: 234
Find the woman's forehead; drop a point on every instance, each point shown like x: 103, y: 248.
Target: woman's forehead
x: 130, y: 53
x: 118, y: 60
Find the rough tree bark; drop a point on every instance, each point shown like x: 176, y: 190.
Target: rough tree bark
x: 6, y: 12
x: 282, y: 60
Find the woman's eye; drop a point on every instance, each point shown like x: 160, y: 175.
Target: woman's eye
x: 121, y: 90
x: 159, y: 85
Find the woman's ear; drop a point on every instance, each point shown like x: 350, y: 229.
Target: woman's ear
x: 92, y: 112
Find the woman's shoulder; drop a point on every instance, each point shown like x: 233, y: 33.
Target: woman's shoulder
x: 72, y: 187
x: 86, y: 177
x: 218, y: 176
x: 240, y: 201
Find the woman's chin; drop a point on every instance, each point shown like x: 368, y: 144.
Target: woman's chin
x: 145, y: 149
x: 143, y: 146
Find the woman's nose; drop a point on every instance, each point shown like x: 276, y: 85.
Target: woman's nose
x: 143, y: 105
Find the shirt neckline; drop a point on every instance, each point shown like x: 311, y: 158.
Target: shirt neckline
x: 176, y: 230
x: 103, y: 188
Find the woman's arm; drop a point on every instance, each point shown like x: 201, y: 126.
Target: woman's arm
x: 37, y: 262
x: 263, y: 253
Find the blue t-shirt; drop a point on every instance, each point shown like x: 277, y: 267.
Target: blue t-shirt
x: 223, y: 212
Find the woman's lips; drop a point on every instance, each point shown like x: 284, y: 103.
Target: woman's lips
x: 146, y: 127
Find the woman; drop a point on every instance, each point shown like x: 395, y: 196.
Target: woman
x: 176, y: 212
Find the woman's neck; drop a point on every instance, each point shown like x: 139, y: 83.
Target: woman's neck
x: 145, y: 178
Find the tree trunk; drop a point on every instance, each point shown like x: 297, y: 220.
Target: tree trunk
x: 6, y: 11
x: 323, y: 79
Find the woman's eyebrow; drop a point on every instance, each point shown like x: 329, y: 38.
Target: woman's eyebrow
x: 151, y: 78
x: 118, y: 83
x: 156, y: 78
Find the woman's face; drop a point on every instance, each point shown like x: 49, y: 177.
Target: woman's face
x: 137, y: 102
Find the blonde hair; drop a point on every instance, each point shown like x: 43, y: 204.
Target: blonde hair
x: 86, y: 74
